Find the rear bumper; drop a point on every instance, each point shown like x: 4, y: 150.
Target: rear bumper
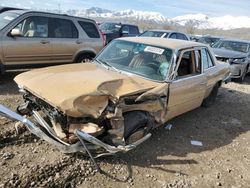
x: 92, y: 142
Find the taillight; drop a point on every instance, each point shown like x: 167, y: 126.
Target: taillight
x: 103, y: 39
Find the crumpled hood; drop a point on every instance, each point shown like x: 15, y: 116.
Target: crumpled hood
x: 81, y: 89
x: 228, y: 53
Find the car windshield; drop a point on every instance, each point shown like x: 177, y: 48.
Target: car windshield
x: 232, y: 45
x: 149, y: 61
x: 6, y: 17
x: 153, y: 34
x: 209, y: 40
x: 107, y: 26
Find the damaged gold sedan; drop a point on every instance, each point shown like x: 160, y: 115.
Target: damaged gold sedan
x: 111, y: 105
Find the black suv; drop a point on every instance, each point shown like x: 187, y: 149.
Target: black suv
x: 113, y: 30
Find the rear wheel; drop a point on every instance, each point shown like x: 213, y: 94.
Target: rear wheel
x: 85, y: 58
x: 211, y: 97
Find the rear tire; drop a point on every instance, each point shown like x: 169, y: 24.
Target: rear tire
x: 211, y: 97
x: 85, y: 58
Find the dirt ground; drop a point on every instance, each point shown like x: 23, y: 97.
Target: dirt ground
x: 167, y: 159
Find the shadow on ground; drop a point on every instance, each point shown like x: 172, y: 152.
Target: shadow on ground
x: 7, y: 84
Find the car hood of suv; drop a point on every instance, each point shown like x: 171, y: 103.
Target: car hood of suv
x: 228, y: 53
x: 82, y: 89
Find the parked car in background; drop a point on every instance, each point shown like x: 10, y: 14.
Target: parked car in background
x: 133, y: 86
x: 112, y: 30
x: 165, y: 34
x: 195, y: 37
x: 236, y: 53
x: 35, y: 39
x: 210, y: 40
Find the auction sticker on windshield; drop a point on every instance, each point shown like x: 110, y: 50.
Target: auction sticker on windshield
x: 154, y: 50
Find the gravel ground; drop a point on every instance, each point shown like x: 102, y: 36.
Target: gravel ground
x: 167, y: 159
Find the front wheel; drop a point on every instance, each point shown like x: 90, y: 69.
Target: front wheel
x: 211, y: 97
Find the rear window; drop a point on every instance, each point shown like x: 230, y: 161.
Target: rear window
x: 90, y: 29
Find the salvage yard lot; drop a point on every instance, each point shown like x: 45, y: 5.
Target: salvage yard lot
x: 167, y: 159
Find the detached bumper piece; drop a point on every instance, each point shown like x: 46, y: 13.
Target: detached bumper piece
x: 91, y: 143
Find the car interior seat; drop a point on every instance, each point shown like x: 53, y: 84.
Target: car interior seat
x: 31, y: 30
x: 137, y: 60
x: 185, y: 67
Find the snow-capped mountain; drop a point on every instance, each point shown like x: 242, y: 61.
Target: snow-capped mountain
x: 200, y: 21
x: 195, y: 19
x: 132, y: 15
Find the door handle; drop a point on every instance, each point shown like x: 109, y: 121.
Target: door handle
x: 43, y: 41
x: 203, y: 83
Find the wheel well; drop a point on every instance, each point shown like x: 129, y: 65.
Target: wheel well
x: 85, y: 53
x: 2, y: 70
x: 219, y: 83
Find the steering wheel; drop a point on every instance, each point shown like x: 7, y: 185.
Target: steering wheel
x: 154, y: 64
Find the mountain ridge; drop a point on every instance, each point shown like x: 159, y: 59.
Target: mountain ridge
x: 199, y: 20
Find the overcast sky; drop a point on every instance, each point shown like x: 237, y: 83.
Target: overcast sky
x: 168, y: 8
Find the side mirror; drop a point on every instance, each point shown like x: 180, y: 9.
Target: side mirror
x: 16, y: 33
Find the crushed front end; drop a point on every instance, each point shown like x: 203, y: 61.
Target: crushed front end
x: 119, y: 127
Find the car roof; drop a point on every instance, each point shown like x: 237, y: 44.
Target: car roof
x: 211, y: 36
x: 163, y: 30
x: 119, y: 23
x: 3, y: 9
x: 165, y: 43
x: 23, y: 11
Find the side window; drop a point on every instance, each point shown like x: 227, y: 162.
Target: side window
x: 34, y: 27
x: 181, y: 36
x: 173, y: 36
x: 90, y: 29
x: 61, y: 28
x: 133, y: 30
x: 189, y: 64
x: 206, y: 59
x: 125, y: 29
